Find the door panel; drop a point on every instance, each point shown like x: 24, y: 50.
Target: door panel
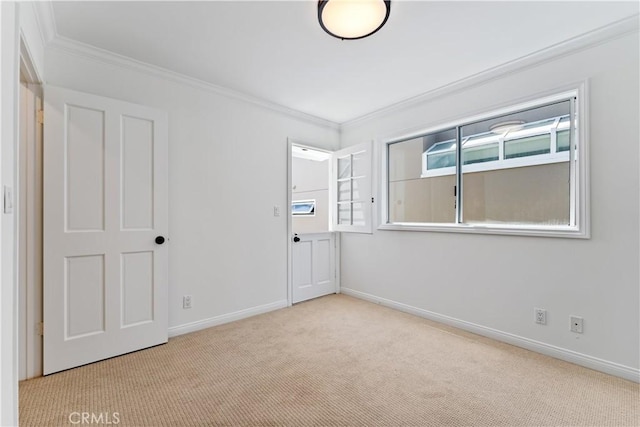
x: 137, y: 288
x: 302, y: 264
x: 83, y: 169
x: 84, y: 290
x: 137, y: 173
x: 105, y: 201
x: 313, y: 266
x: 323, y: 259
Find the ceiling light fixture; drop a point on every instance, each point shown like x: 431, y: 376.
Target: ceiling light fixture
x: 353, y: 19
x: 502, y: 127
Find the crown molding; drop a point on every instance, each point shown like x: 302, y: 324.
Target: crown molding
x: 46, y: 20
x: 75, y: 48
x: 573, y: 45
x: 52, y: 40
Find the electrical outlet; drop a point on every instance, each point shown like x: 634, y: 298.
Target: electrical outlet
x: 576, y: 324
x: 540, y: 315
x: 186, y: 301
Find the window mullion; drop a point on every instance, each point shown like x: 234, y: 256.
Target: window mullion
x: 554, y: 137
x: 351, y: 189
x: 573, y: 220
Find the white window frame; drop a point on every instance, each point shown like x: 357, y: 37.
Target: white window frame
x: 365, y: 191
x: 579, y: 178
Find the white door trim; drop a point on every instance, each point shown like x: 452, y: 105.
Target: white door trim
x: 287, y: 212
x: 14, y: 53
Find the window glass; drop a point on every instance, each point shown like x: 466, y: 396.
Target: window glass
x: 563, y: 140
x: 344, y: 213
x: 303, y: 208
x: 441, y: 155
x: 515, y: 171
x: 563, y: 134
x: 357, y: 212
x: 413, y: 198
x: 480, y: 148
x: 531, y: 146
x: 482, y: 154
x: 358, y: 165
x: 344, y: 167
x: 344, y: 190
x: 533, y: 128
x: 351, y: 178
x: 533, y: 191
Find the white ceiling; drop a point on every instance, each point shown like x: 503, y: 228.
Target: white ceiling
x: 276, y: 51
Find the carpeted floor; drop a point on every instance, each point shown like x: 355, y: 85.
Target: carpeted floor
x: 328, y: 362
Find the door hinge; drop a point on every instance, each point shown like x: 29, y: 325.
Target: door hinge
x: 40, y: 117
x: 40, y: 328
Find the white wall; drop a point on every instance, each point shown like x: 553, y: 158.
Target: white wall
x: 32, y: 39
x: 227, y: 170
x: 489, y: 283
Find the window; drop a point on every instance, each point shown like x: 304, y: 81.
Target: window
x: 303, y: 208
x: 507, y: 172
x: 538, y: 142
x: 351, y: 195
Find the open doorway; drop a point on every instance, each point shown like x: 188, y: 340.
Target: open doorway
x: 313, y: 262
x: 310, y: 173
x: 29, y: 223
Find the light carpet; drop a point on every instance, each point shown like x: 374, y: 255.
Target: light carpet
x: 333, y: 361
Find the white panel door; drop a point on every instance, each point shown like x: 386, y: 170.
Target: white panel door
x: 314, y: 273
x: 105, y: 207
x: 352, y: 200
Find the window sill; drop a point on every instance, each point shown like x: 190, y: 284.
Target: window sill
x: 510, y: 230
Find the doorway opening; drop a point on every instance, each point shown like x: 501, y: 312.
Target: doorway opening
x: 313, y: 244
x: 310, y: 175
x: 28, y: 210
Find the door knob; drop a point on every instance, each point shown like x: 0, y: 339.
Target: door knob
x: 159, y: 240
x: 296, y: 239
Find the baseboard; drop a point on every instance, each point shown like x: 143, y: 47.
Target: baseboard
x: 601, y: 365
x: 225, y: 318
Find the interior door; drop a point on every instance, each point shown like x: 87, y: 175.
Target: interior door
x: 105, y: 222
x: 352, y: 199
x: 313, y: 266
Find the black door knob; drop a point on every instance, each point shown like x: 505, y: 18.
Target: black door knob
x: 159, y: 240
x: 296, y: 239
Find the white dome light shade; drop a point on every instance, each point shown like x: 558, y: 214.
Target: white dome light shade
x: 353, y: 19
x: 502, y: 127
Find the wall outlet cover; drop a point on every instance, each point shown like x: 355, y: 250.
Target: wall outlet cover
x: 540, y: 316
x: 186, y: 301
x: 576, y: 324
